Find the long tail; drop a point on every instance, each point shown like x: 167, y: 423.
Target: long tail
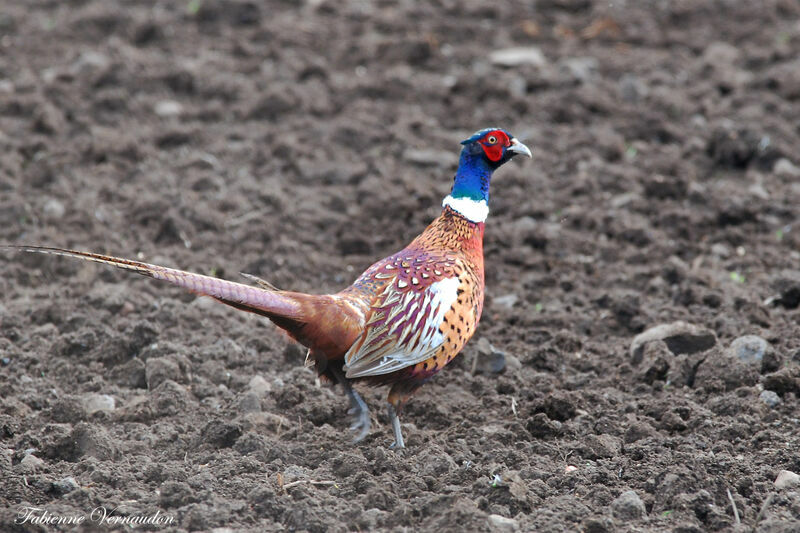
x: 270, y: 303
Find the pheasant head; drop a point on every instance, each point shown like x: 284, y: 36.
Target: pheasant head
x: 483, y: 153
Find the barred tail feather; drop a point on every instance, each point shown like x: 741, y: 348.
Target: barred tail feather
x: 265, y: 302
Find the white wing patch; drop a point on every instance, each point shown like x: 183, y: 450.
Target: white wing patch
x: 405, y: 334
x: 446, y: 292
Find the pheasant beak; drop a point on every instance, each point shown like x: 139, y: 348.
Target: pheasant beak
x: 517, y: 147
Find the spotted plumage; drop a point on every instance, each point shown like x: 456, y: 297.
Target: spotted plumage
x: 404, y: 318
x: 434, y: 283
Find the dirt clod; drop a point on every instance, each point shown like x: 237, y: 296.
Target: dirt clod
x: 628, y: 506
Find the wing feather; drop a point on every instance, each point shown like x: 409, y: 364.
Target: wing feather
x: 404, y: 327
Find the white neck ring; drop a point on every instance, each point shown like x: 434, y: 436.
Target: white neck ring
x: 472, y: 210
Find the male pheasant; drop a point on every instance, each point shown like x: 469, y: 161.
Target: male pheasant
x: 404, y: 318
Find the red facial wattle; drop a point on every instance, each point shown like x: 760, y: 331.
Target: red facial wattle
x: 493, y: 145
x: 493, y: 151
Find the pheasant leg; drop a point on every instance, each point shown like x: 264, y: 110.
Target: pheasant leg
x: 358, y: 407
x: 398, y: 434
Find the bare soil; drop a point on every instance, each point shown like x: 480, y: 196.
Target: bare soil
x: 300, y: 141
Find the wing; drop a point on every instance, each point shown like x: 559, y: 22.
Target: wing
x: 402, y: 327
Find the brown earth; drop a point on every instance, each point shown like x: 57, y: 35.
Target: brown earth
x: 300, y: 141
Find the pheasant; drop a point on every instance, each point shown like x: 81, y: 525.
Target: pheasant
x: 403, y: 319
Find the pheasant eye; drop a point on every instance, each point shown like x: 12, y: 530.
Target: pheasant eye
x: 491, y: 139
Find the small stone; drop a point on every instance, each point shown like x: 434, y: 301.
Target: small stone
x: 579, y: 68
x: 5, y: 361
x: 628, y: 506
x: 516, y: 56
x: 680, y: 337
x: 655, y: 362
x: 90, y: 61
x: 98, y: 402
x: 250, y: 402
x: 513, y: 363
x: 31, y: 462
x: 720, y: 250
x: 631, y: 88
x: 506, y: 301
x: 784, y: 167
x: 259, y: 386
x: 770, y: 398
x: 490, y: 359
x: 53, y: 209
x: 484, y: 346
x: 168, y: 108
x: 621, y: 200
x: 65, y: 486
x: 501, y: 523
x: 749, y: 349
x: 495, y: 363
x: 759, y: 191
x: 787, y: 479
